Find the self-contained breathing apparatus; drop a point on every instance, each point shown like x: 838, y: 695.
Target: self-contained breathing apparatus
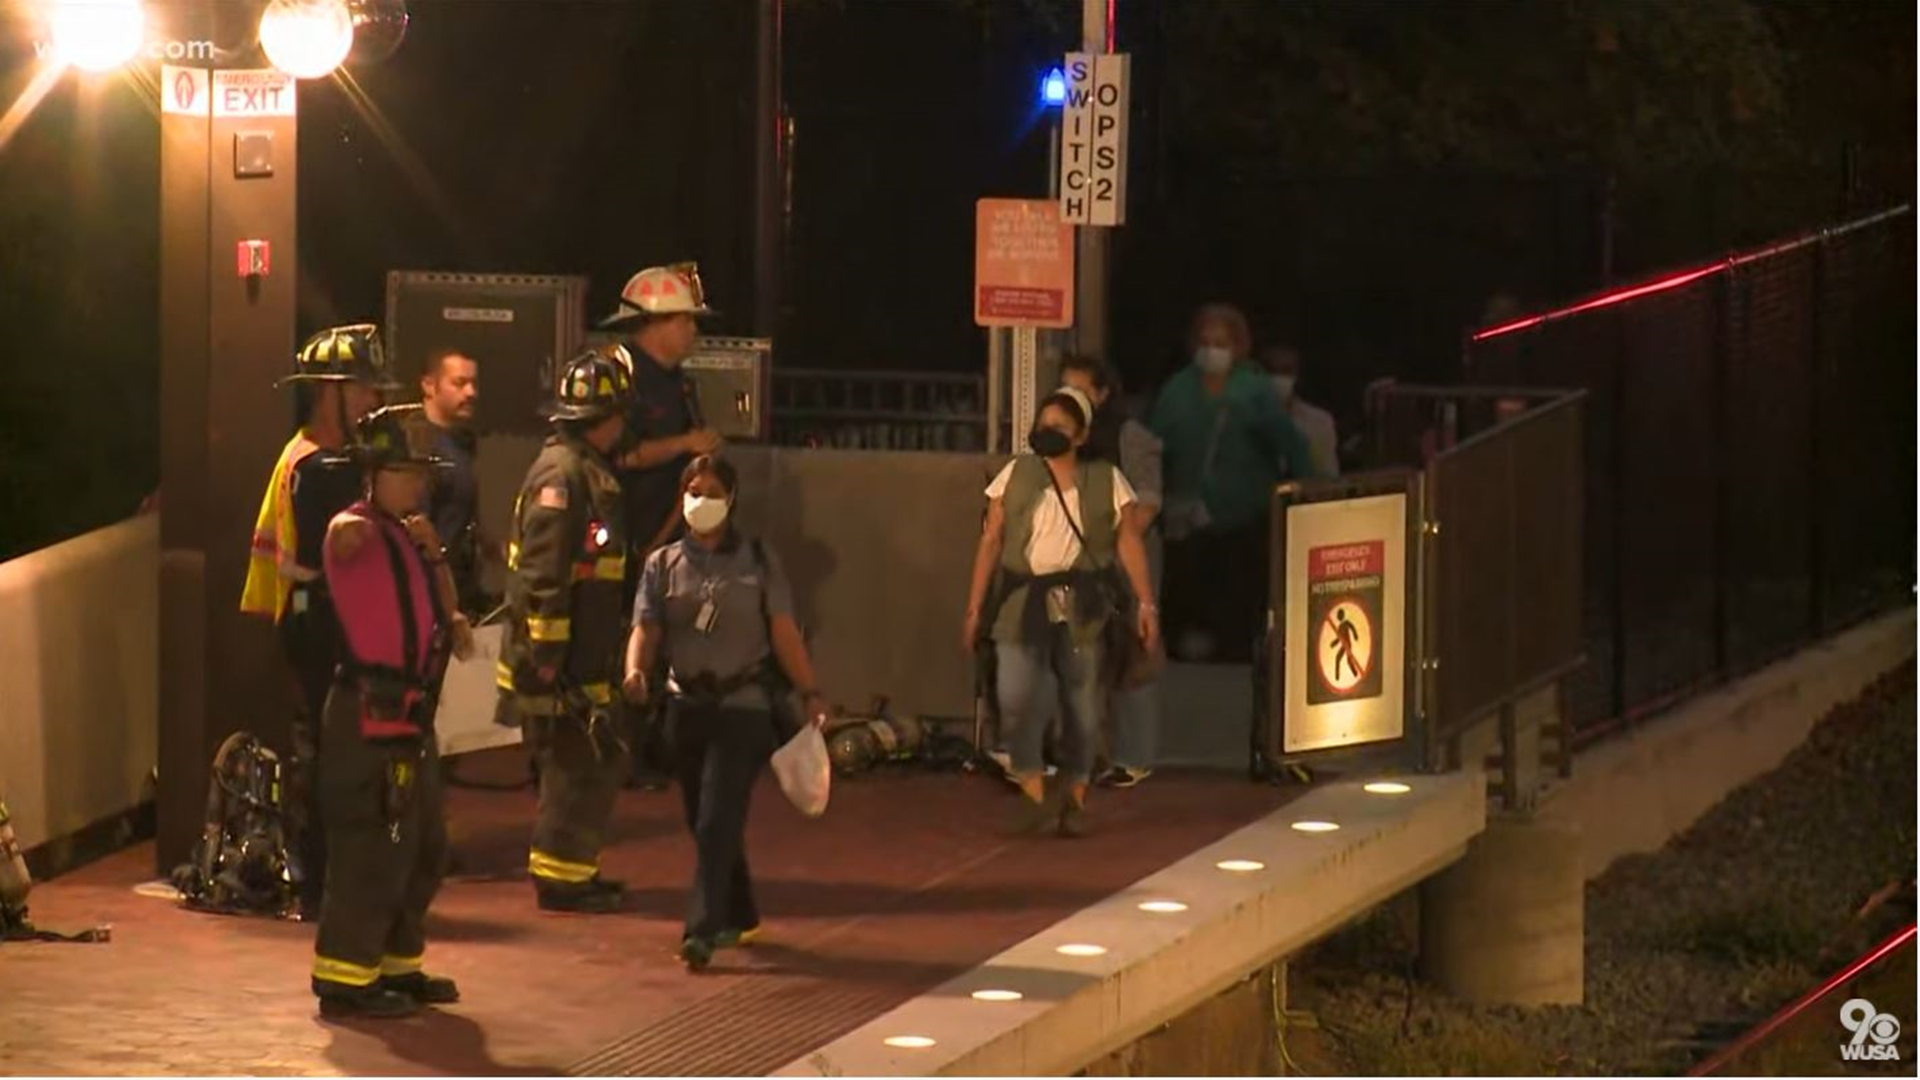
x: 240, y: 865
x: 15, y: 884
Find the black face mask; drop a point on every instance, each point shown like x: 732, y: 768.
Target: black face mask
x: 1049, y: 442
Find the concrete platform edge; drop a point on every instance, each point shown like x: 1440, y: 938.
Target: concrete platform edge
x: 1160, y: 966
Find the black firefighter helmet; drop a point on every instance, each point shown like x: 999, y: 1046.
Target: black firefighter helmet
x: 595, y: 384
x: 351, y: 353
x: 387, y: 438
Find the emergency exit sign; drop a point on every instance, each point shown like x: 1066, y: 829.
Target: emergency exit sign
x: 1093, y: 139
x: 252, y: 93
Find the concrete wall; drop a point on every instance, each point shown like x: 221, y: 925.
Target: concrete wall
x: 79, y: 679
x: 1635, y: 791
x: 879, y: 545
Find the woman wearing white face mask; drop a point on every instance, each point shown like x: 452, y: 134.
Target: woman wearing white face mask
x: 719, y: 608
x: 1228, y: 443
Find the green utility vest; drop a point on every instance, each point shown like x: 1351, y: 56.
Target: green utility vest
x: 1030, y: 483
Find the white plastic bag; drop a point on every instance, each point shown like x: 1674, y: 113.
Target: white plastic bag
x: 804, y: 771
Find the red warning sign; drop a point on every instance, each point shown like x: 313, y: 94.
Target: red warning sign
x: 1345, y: 585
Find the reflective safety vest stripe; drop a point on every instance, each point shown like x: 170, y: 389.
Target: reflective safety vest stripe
x: 274, y: 540
x: 549, y: 630
x: 605, y: 568
x: 542, y: 865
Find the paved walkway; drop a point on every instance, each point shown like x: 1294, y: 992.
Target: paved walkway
x: 905, y: 883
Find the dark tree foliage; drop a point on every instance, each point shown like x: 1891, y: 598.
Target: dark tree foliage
x: 1359, y: 174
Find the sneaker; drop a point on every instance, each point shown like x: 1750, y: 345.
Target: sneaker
x: 423, y: 988
x: 1073, y: 819
x: 582, y: 899
x: 736, y: 939
x: 649, y: 780
x: 1032, y: 818
x: 1005, y: 761
x: 696, y: 953
x: 371, y: 1002
x: 1122, y: 777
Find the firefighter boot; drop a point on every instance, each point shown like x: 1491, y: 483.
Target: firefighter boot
x: 422, y: 987
x: 374, y: 1002
x: 585, y: 898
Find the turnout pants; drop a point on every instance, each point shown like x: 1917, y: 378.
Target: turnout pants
x: 387, y: 854
x: 310, y: 640
x: 581, y: 771
x: 718, y: 754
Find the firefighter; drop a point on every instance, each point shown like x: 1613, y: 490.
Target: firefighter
x: 379, y: 769
x: 659, y: 314
x: 559, y: 669
x: 339, y: 377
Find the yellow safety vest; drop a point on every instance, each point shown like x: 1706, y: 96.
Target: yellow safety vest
x: 274, y: 541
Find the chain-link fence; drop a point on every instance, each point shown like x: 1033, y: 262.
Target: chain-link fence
x: 1750, y: 455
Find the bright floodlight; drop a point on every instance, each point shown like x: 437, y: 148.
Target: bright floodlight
x: 909, y: 1042
x: 1387, y: 787
x: 306, y: 38
x: 1241, y: 866
x: 997, y: 995
x: 1053, y: 88
x: 1082, y: 950
x: 1163, y: 907
x: 1315, y: 826
x: 96, y: 35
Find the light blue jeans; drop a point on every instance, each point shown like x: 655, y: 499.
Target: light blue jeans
x: 1027, y: 697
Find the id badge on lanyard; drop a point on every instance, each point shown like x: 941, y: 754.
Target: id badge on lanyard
x: 709, y: 614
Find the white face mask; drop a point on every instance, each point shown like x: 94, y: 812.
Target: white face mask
x: 704, y: 514
x: 1283, y: 385
x: 1212, y: 359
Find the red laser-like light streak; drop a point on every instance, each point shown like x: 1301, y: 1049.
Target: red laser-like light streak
x: 1773, y: 1022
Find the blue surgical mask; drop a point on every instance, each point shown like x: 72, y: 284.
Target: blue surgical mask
x: 1212, y: 359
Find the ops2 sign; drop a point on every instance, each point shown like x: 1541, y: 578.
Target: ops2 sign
x: 1093, y: 139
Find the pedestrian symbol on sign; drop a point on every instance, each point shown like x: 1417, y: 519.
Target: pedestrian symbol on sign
x: 1345, y: 583
x: 1346, y: 647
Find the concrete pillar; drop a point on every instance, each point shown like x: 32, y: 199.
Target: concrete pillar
x: 1506, y: 925
x: 226, y: 176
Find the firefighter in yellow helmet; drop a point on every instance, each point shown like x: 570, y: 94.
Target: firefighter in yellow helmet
x: 560, y: 667
x: 339, y: 376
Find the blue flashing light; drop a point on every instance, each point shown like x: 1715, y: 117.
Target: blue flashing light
x: 1053, y: 88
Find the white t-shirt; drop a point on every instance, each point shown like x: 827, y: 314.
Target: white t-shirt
x: 1053, y: 547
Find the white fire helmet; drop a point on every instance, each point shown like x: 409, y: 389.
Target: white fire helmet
x: 660, y: 290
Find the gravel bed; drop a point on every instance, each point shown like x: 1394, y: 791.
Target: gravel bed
x: 1686, y: 947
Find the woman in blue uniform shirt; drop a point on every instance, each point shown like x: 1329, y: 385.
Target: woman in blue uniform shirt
x: 719, y: 608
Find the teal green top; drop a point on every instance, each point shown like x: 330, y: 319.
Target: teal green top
x: 1258, y: 445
